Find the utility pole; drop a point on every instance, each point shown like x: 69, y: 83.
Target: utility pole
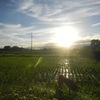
x: 31, y: 42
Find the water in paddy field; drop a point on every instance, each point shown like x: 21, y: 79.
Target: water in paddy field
x: 68, y: 69
x: 80, y: 74
x: 64, y: 69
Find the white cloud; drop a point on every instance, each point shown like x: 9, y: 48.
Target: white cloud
x: 90, y: 37
x: 96, y: 24
x: 25, y: 5
x: 10, y: 25
x: 51, y: 12
x: 57, y: 10
x: 16, y: 34
x: 9, y: 34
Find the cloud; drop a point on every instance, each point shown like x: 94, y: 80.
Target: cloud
x: 9, y: 32
x: 57, y: 10
x: 49, y: 14
x: 86, y: 40
x: 90, y: 37
x: 25, y: 5
x: 9, y: 26
x: 17, y: 34
x: 96, y: 24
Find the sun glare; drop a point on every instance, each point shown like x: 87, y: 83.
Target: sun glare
x: 65, y: 36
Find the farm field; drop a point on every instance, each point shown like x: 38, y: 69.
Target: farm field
x: 35, y: 77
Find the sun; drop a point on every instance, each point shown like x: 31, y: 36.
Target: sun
x: 65, y: 36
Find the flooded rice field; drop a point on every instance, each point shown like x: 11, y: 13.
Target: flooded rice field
x: 79, y: 73
x: 35, y: 78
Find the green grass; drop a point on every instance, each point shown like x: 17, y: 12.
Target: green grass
x: 33, y: 77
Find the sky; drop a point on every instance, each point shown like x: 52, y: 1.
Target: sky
x: 20, y: 18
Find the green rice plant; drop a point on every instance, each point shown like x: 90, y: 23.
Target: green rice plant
x: 33, y: 76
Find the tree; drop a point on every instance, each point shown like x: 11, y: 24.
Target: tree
x: 95, y: 44
x: 15, y: 48
x: 7, y: 48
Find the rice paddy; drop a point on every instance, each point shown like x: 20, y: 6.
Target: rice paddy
x: 35, y: 77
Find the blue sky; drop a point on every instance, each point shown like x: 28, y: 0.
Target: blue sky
x: 20, y: 18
